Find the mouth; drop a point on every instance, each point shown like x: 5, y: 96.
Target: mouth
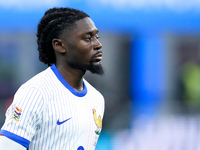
x: 98, y: 57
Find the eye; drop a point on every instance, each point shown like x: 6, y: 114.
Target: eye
x: 88, y: 38
x: 97, y: 36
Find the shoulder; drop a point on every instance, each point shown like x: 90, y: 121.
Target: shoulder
x: 39, y: 82
x: 96, y: 97
x: 36, y: 90
x: 92, y: 89
x: 40, y: 79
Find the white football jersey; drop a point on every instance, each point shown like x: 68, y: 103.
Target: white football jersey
x: 48, y: 114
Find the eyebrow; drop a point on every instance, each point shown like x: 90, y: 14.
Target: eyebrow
x: 92, y: 32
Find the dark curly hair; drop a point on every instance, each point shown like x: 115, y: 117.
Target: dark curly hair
x: 51, y: 26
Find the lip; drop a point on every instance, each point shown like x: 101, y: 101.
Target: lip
x: 98, y: 57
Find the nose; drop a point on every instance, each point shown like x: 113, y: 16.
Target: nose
x: 97, y: 45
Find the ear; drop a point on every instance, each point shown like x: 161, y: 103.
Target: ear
x: 58, y: 45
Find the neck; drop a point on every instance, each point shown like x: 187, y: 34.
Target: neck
x: 74, y: 77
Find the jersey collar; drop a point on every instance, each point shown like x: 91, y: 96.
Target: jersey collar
x: 63, y: 81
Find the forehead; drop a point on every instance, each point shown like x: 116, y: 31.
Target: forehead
x: 85, y: 25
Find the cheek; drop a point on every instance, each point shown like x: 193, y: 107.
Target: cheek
x: 81, y: 51
x: 85, y: 51
x: 84, y: 47
x: 86, y: 56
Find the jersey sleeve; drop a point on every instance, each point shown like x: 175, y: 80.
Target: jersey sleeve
x: 24, y: 116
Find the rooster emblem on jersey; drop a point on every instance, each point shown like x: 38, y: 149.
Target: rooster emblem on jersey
x: 98, y: 122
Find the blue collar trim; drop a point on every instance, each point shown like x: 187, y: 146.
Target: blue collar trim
x: 71, y: 89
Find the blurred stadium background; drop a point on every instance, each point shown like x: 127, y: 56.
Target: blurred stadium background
x: 152, y: 67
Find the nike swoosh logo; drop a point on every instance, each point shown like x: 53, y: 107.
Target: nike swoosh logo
x: 59, y: 123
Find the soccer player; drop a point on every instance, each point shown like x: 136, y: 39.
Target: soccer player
x: 58, y: 109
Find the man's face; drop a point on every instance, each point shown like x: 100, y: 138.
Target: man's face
x: 83, y: 47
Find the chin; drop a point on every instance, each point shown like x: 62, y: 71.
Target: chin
x: 96, y: 69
